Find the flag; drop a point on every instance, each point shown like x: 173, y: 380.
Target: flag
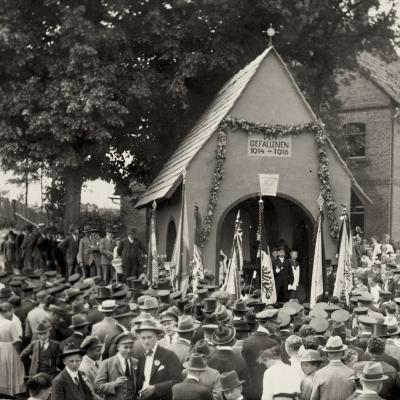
x: 180, y: 255
x: 223, y: 267
x: 197, y: 261
x: 268, y: 289
x: 318, y: 280
x: 344, y: 274
x: 152, y: 260
x: 232, y: 279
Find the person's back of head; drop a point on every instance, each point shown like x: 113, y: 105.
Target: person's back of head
x: 270, y: 356
x: 39, y: 385
x: 376, y: 346
x: 292, y: 345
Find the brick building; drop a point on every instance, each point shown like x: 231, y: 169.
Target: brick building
x: 370, y: 114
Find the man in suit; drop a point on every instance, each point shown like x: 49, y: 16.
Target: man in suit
x: 70, y: 383
x: 252, y: 348
x: 79, y: 326
x: 106, y: 246
x: 185, y: 330
x: 231, y: 386
x: 70, y: 246
x: 87, y: 247
x: 158, y: 369
x: 283, y: 275
x: 371, y: 380
x: 332, y: 381
x: 42, y: 352
x: 91, y: 360
x: 226, y: 357
x: 27, y: 246
x: 130, y: 250
x: 191, y: 386
x: 116, y: 379
x: 108, y: 324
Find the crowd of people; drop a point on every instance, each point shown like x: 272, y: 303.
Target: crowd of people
x: 88, y: 327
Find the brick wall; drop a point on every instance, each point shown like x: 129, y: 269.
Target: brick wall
x: 364, y: 102
x: 133, y: 218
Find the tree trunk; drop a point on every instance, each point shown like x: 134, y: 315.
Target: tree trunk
x: 73, y: 185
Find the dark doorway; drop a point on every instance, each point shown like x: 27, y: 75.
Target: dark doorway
x: 286, y: 224
x: 171, y: 237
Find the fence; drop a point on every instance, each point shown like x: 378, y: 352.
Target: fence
x: 16, y: 215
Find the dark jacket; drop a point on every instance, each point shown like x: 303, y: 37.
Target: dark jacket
x: 190, y: 389
x: 252, y: 348
x: 165, y: 373
x: 65, y: 389
x: 131, y: 254
x: 69, y: 246
x: 32, y: 351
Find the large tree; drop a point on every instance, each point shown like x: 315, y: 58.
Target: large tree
x: 86, y: 85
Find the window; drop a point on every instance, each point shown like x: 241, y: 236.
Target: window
x: 355, y: 134
x: 357, y: 211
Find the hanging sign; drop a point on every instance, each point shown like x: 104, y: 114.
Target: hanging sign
x: 258, y: 145
x: 269, y: 184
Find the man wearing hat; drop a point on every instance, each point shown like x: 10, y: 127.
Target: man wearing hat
x: 131, y: 250
x: 116, y: 378
x: 70, y: 383
x: 158, y: 369
x: 252, y: 348
x: 231, y: 386
x: 332, y: 381
x: 79, y: 325
x: 42, y: 352
x: 69, y: 247
x: 191, y: 387
x: 182, y: 346
x: 372, y: 379
x: 107, y: 325
x: 310, y: 362
x: 88, y: 246
x: 226, y: 358
x: 283, y: 275
x: 106, y: 246
x: 91, y: 360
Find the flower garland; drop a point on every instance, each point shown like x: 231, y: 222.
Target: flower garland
x: 274, y: 131
x: 217, y: 179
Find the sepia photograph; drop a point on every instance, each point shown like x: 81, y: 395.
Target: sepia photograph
x: 199, y: 199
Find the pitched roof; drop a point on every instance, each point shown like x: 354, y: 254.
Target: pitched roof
x: 386, y: 76
x: 170, y: 176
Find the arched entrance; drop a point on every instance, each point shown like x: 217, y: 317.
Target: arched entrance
x: 287, y: 223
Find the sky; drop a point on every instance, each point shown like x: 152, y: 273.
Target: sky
x: 95, y: 192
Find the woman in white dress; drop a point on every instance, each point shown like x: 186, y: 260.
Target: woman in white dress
x: 12, y: 370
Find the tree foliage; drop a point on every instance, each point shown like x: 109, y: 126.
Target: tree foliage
x: 95, y: 88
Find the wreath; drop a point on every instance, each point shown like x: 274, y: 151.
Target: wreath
x: 271, y: 131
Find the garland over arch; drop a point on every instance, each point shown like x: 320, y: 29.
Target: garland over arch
x: 270, y: 131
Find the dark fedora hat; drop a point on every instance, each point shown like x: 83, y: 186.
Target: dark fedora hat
x: 223, y: 335
x: 202, y: 294
x: 149, y: 325
x: 70, y: 349
x: 73, y: 227
x: 123, y: 311
x: 241, y: 325
x: 43, y: 327
x: 5, y: 293
x: 196, y: 362
x: 134, y: 284
x: 258, y: 306
x: 229, y: 380
x: 78, y: 321
x: 186, y: 324
x: 239, y: 306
